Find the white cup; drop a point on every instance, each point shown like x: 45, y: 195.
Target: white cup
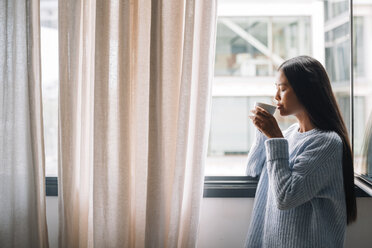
x: 268, y: 107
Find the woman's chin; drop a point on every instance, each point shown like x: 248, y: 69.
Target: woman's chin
x: 282, y: 112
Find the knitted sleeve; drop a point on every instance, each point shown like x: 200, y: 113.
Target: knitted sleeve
x: 256, y: 156
x: 311, y: 170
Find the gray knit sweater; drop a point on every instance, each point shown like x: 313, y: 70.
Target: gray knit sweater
x: 300, y: 198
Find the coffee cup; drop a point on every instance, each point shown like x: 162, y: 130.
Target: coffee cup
x: 268, y: 107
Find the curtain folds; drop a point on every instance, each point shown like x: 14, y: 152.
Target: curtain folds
x: 22, y: 176
x: 134, y: 112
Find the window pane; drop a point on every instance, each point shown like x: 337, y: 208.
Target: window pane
x: 49, y: 70
x: 255, y: 46
x: 362, y: 87
x: 249, y: 48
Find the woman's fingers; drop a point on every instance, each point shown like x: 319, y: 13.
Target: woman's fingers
x: 264, y: 121
x: 262, y: 111
x: 257, y: 115
x: 259, y: 112
x: 257, y: 120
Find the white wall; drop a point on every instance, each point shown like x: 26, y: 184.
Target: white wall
x: 224, y: 222
x: 52, y: 220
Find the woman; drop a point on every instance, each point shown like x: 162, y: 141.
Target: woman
x: 305, y: 195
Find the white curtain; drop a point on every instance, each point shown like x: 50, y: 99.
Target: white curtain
x: 22, y: 190
x: 134, y: 108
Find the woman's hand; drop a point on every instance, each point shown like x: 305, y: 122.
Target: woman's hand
x: 266, y: 123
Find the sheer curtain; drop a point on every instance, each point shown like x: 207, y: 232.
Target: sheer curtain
x: 22, y: 190
x: 134, y: 112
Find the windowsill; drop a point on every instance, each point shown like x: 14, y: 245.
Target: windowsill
x: 230, y: 186
x: 227, y: 187
x: 246, y: 187
x: 364, y: 184
x: 51, y: 186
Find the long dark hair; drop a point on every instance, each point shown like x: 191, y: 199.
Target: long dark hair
x: 308, y: 78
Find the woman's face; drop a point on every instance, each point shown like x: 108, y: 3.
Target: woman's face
x: 288, y: 103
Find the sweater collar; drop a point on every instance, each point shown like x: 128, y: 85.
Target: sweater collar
x: 298, y: 133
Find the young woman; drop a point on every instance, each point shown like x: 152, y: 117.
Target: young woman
x: 305, y: 194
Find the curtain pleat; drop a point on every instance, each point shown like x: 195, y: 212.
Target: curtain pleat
x: 22, y: 176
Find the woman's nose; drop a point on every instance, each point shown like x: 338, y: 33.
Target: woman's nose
x: 277, y: 96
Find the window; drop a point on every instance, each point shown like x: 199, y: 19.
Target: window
x: 49, y: 70
x: 253, y: 39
